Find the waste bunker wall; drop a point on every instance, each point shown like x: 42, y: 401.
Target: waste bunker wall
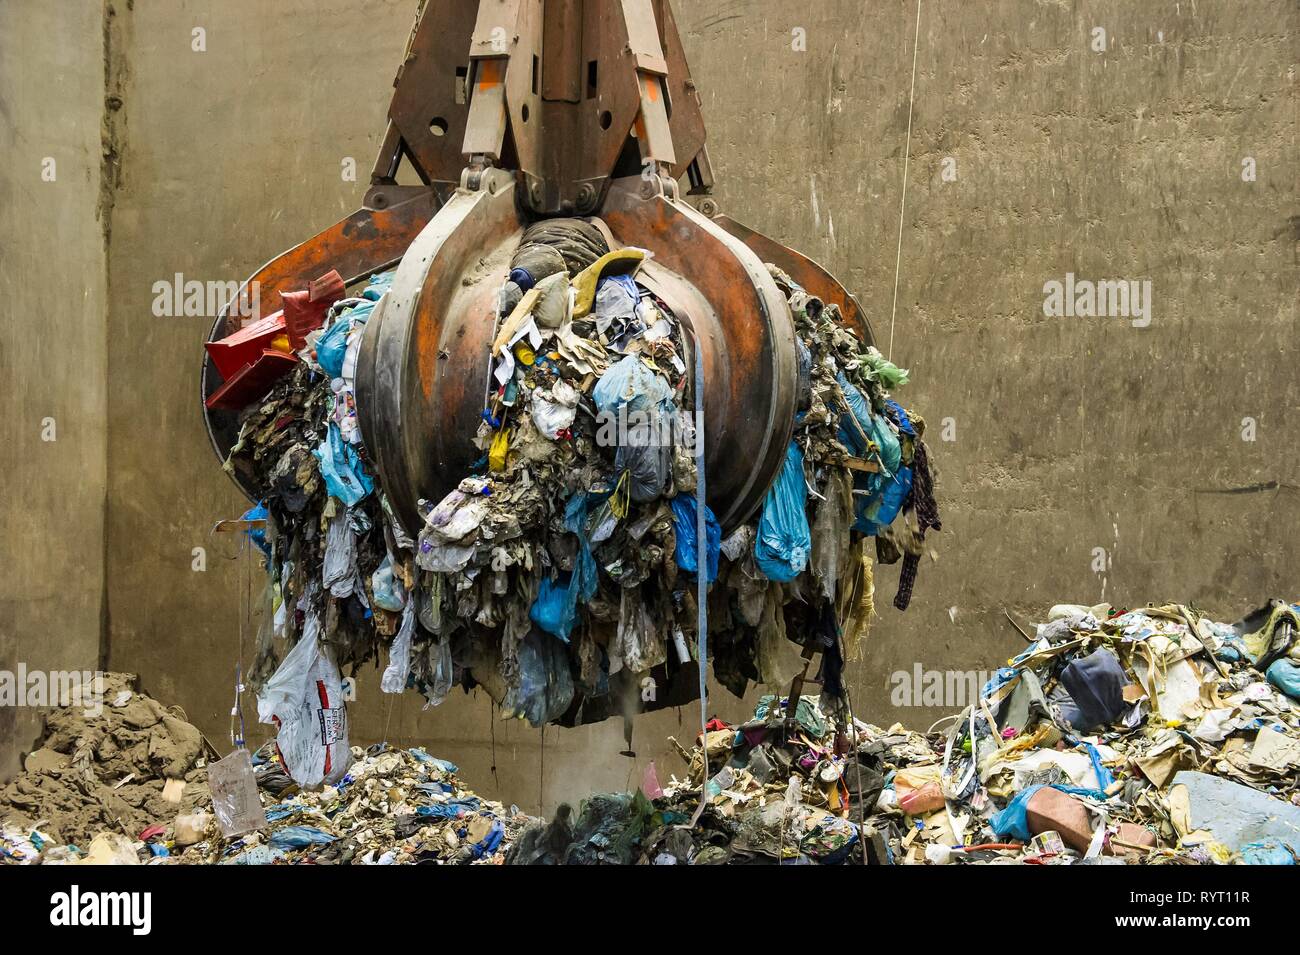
x: 1032, y: 156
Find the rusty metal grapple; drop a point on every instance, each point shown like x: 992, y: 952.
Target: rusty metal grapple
x: 509, y: 111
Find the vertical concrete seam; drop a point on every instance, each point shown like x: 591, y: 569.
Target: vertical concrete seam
x: 116, y: 27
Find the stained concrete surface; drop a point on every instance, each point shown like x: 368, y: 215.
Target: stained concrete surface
x: 1069, y: 434
x: 53, y: 367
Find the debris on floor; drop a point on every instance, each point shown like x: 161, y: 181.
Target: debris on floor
x: 106, y: 770
x: 135, y: 785
x: 1152, y: 735
x: 559, y: 575
x: 393, y: 807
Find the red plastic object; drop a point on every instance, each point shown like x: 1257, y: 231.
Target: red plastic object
x: 305, y: 311
x: 245, y: 346
x: 252, y: 381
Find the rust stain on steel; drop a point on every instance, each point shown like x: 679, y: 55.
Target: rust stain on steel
x: 357, y: 245
x: 815, y: 279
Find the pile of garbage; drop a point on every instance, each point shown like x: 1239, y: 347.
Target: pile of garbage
x: 119, y: 780
x: 560, y: 574
x: 1150, y: 736
x: 392, y: 807
x: 108, y: 767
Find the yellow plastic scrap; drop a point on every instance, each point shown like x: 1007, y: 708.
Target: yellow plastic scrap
x: 497, y: 452
x: 622, y: 497
x: 619, y: 262
x: 525, y: 354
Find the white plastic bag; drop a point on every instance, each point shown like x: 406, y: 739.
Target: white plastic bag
x: 555, y: 410
x: 234, y: 795
x: 399, y: 654
x: 304, y: 700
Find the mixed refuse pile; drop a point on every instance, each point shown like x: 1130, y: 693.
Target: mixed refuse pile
x: 393, y: 807
x: 107, y: 769
x: 135, y: 784
x: 1151, y: 736
x: 560, y: 574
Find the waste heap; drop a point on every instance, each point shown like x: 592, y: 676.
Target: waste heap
x: 393, y: 807
x: 108, y: 767
x: 119, y: 780
x: 560, y: 574
x: 1144, y: 736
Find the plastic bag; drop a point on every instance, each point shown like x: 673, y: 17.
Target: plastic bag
x: 646, y: 457
x: 389, y: 592
x: 345, y: 477
x: 235, y: 802
x: 884, y: 370
x: 776, y: 658
x: 630, y: 383
x: 861, y: 425
x: 1285, y: 675
x: 257, y: 535
x: 304, y: 700
x: 555, y: 408
x: 433, y: 671
x: 556, y: 608
x: 545, y: 687
x: 332, y: 346
x: 872, y: 515
x: 684, y: 527
x: 638, y: 645
x: 399, y: 654
x: 498, y: 451
x: 339, y: 569
x: 784, y: 539
x: 830, y: 533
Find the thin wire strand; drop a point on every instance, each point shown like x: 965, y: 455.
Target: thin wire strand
x: 902, y: 205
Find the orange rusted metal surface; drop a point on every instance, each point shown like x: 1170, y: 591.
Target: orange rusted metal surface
x: 815, y: 279
x: 364, y: 242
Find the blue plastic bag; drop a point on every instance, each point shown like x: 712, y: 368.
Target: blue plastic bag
x: 491, y: 842
x: 684, y: 521
x: 879, y: 513
x: 450, y: 809
x: 872, y: 426
x: 631, y: 383
x: 556, y: 608
x: 545, y: 687
x: 784, y: 540
x: 1266, y: 853
x: 345, y: 477
x: 1285, y: 675
x: 332, y: 346
x: 296, y: 837
x: 257, y: 536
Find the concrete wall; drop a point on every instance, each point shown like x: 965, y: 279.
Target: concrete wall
x: 53, y: 369
x: 1070, y: 434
